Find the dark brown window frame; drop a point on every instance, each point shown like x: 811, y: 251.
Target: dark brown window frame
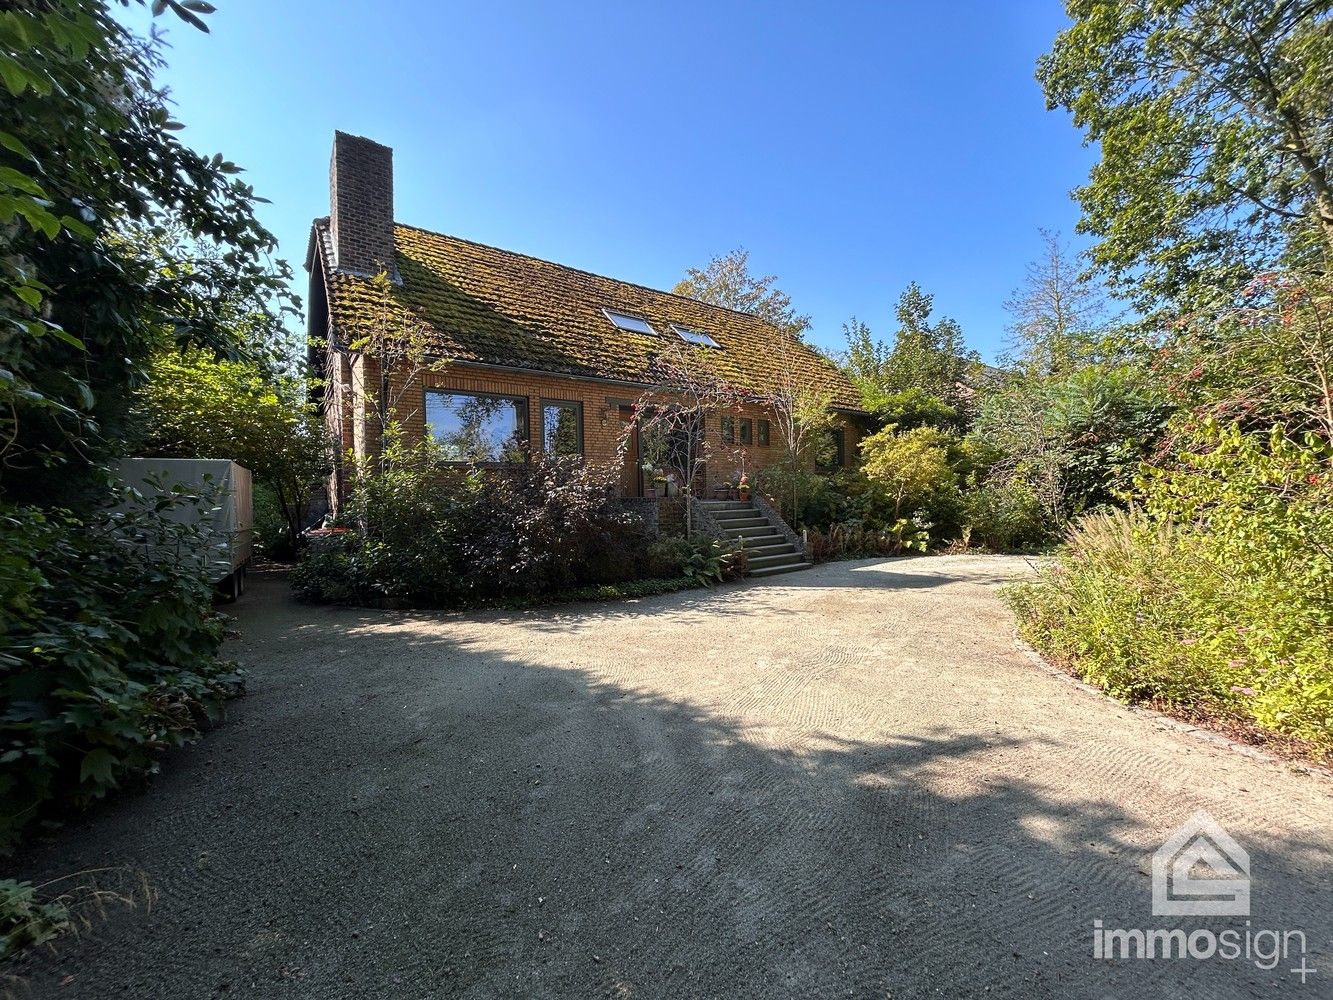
x: 727, y: 428
x: 747, y: 431
x: 762, y: 433
x: 526, y: 420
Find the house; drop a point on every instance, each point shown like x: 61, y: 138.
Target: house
x: 527, y: 355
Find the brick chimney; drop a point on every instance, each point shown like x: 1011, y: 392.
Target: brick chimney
x: 361, y: 205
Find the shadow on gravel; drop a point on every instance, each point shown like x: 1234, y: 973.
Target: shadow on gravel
x: 394, y: 812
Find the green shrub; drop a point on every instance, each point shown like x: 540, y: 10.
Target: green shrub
x: 424, y: 533
x: 108, y: 651
x: 913, y: 466
x: 1004, y: 515
x: 856, y: 540
x: 1215, y: 596
x: 273, y: 535
x: 25, y: 920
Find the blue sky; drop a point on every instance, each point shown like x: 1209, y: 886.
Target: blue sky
x: 849, y: 147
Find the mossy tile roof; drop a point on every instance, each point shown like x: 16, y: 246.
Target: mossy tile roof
x: 491, y: 306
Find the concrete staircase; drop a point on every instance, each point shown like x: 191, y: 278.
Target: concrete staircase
x: 766, y: 548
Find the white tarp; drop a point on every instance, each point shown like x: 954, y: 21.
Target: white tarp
x: 227, y: 519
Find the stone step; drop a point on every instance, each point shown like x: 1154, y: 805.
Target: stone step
x: 763, y: 529
x: 725, y: 505
x: 785, y: 568
x: 762, y: 549
x: 742, y: 522
x: 771, y: 537
x: 755, y: 562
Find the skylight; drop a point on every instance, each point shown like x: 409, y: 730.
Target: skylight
x: 635, y: 324
x: 694, y: 336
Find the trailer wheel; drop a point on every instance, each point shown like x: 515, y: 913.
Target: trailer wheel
x: 230, y: 588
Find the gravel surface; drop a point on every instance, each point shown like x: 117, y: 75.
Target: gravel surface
x: 844, y: 782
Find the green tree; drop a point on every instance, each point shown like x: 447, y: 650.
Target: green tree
x: 1212, y: 118
x: 1074, y: 441
x: 913, y: 466
x: 194, y: 406
x: 727, y: 281
x: 114, y: 236
x: 1266, y: 362
x: 926, y: 359
x: 926, y: 355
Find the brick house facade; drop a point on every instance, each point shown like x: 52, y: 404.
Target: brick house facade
x: 524, y: 355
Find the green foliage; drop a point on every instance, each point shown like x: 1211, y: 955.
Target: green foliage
x: 114, y: 239
x: 856, y: 540
x: 272, y: 533
x: 701, y: 560
x: 913, y: 408
x: 913, y: 466
x: 1212, y: 122
x: 423, y: 533
x: 1073, y: 441
x: 25, y: 920
x: 108, y: 650
x: 711, y: 561
x: 1004, y: 515
x: 1268, y: 361
x: 1216, y: 595
x: 927, y: 358
x: 194, y: 405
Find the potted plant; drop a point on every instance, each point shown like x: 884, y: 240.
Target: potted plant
x: 743, y: 487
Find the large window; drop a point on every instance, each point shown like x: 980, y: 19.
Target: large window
x: 562, y: 427
x: 472, y: 427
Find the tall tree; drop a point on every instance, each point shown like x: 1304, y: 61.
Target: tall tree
x: 929, y: 356
x: 1056, y: 313
x: 866, y: 361
x: 727, y: 281
x: 1213, y: 121
x: 115, y: 239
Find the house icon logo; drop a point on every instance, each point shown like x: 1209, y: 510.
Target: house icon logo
x: 1178, y: 889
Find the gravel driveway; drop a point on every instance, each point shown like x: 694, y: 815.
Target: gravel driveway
x: 842, y: 782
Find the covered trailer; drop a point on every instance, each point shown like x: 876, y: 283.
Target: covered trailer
x: 228, y: 521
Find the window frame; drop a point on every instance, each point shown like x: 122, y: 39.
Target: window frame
x: 565, y: 404
x: 611, y: 315
x: 746, y: 436
x: 523, y: 414
x: 763, y: 433
x: 695, y: 337
x: 726, y: 428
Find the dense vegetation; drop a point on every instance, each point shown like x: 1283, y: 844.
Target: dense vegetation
x: 415, y: 531
x: 118, y: 245
x: 1212, y: 591
x: 1181, y: 451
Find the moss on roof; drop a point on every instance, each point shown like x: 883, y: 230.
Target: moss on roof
x: 493, y: 306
